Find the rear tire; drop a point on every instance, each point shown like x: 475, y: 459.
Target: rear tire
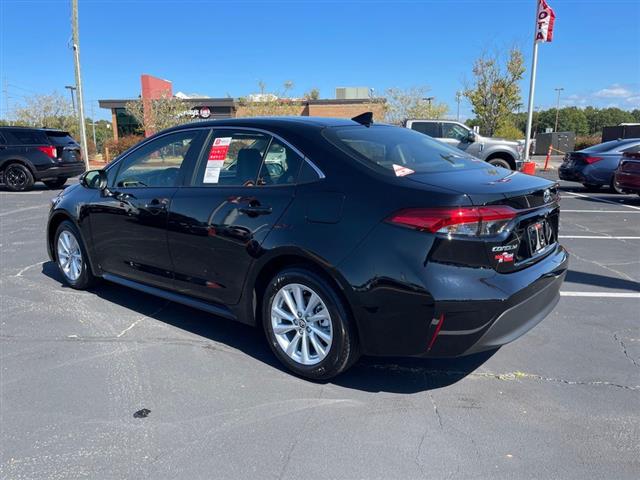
x: 500, y: 162
x: 71, y: 257
x: 313, y: 337
x: 17, y: 177
x: 591, y: 187
x: 56, y: 183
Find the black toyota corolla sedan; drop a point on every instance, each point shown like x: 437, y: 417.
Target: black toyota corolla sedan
x: 337, y: 237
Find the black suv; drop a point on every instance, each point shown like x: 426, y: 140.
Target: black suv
x: 28, y: 155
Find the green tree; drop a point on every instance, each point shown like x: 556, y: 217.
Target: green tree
x: 403, y: 105
x: 495, y: 92
x: 162, y: 113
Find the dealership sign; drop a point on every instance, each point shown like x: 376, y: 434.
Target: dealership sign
x: 200, y: 112
x: 544, y: 22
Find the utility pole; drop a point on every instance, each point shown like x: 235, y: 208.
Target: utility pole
x: 5, y: 90
x: 76, y: 58
x: 72, y: 92
x: 559, y: 89
x: 93, y: 126
x: 458, y: 97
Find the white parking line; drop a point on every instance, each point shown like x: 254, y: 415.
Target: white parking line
x: 601, y: 294
x: 600, y: 237
x: 597, y: 211
x: 603, y: 200
x: 18, y: 210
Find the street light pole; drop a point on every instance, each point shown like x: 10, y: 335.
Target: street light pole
x: 76, y: 59
x: 71, y: 89
x: 559, y: 89
x: 458, y: 97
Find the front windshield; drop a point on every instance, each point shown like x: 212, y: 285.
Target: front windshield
x: 399, y: 151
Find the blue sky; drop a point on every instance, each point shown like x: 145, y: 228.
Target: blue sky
x: 220, y: 48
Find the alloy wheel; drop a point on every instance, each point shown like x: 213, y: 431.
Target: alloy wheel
x: 301, y: 324
x: 69, y: 256
x: 15, y: 177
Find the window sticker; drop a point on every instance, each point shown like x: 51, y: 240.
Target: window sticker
x: 219, y: 148
x: 402, y: 171
x: 216, y: 158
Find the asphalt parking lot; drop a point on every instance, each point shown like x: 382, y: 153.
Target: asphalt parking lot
x: 561, y: 402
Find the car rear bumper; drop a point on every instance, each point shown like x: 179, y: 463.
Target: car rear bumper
x: 412, y: 306
x: 571, y: 175
x: 520, y: 318
x: 61, y: 170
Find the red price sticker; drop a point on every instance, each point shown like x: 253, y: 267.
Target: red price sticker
x: 219, y: 148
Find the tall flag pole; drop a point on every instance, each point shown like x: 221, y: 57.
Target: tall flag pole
x: 545, y: 19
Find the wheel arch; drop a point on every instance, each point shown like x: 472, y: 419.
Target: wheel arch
x: 262, y: 274
x: 8, y: 161
x: 503, y: 154
x: 55, y: 220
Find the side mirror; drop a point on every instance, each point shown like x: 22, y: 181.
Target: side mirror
x: 94, y: 179
x: 471, y: 137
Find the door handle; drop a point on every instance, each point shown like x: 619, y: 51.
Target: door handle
x: 255, y: 210
x: 157, y: 204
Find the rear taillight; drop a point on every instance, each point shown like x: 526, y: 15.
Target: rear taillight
x: 50, y: 151
x: 468, y: 221
x: 630, y: 167
x: 591, y: 160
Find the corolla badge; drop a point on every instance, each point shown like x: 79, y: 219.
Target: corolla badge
x: 546, y: 196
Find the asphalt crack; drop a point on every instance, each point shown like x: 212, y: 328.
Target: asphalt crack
x: 509, y: 376
x: 624, y: 350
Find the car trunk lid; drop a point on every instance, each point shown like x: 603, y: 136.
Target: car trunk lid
x: 531, y: 235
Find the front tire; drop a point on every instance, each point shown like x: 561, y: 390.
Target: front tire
x: 307, y: 325
x: 71, y: 257
x: 615, y: 189
x: 56, y: 183
x: 17, y: 177
x: 500, y: 162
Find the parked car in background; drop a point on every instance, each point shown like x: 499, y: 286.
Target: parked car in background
x: 627, y: 175
x: 279, y: 223
x: 594, y: 167
x: 29, y: 155
x: 496, y: 151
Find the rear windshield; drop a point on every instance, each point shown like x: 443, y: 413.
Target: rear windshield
x: 613, y: 145
x: 399, y: 151
x: 60, y: 139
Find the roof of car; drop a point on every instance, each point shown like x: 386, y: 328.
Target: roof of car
x: 274, y: 122
x: 39, y: 129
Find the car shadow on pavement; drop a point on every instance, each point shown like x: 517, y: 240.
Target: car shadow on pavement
x: 605, y: 281
x: 371, y: 374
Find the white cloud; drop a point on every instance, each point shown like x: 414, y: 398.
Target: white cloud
x: 613, y: 91
x: 634, y: 100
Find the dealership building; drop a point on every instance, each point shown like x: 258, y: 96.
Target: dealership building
x: 350, y: 101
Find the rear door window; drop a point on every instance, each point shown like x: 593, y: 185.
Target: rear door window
x: 281, y: 165
x: 232, y: 158
x: 28, y: 137
x: 428, y: 128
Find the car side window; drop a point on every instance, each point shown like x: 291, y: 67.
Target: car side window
x: 428, y: 128
x: 232, y: 158
x: 454, y: 131
x: 281, y: 165
x: 158, y: 163
x: 28, y: 137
